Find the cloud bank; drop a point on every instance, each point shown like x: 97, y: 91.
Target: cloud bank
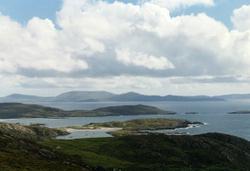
x: 143, y: 43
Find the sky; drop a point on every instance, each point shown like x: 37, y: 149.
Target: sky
x: 149, y: 46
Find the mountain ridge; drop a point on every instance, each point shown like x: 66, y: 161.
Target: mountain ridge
x: 96, y: 96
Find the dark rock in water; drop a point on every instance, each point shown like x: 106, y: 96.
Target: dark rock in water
x: 197, y: 123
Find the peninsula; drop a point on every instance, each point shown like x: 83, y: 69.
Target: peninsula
x: 19, y: 110
x: 139, y: 126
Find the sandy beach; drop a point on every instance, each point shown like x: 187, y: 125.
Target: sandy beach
x: 101, y: 129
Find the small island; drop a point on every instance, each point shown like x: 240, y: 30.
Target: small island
x: 240, y: 112
x: 191, y: 113
x: 138, y: 126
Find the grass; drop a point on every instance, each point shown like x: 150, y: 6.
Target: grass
x: 89, y: 150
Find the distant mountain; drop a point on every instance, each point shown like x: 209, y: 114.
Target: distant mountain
x: 131, y: 96
x: 191, y: 98
x: 95, y: 96
x: 235, y: 96
x: 24, y: 98
x: 84, y: 96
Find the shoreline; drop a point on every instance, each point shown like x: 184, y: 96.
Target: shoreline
x: 101, y: 129
x: 112, y: 131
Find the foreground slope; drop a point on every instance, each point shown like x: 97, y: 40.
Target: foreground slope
x: 20, y: 150
x: 208, y: 152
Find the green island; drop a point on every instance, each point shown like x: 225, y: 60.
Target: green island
x: 19, y: 110
x: 138, y: 126
x: 34, y: 147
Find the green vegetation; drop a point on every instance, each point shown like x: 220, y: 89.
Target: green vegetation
x: 19, y: 150
x: 23, y: 148
x: 139, y: 126
x: 208, y: 152
x: 19, y: 110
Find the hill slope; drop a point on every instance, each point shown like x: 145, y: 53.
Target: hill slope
x: 155, y: 152
x: 208, y: 152
x: 20, y: 151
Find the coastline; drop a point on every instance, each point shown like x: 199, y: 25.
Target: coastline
x: 116, y: 130
x: 101, y: 129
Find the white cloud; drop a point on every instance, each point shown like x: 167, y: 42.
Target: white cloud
x: 35, y: 46
x: 241, y: 18
x: 97, y: 38
x: 139, y: 59
x: 175, y: 4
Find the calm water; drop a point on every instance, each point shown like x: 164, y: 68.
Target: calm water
x: 212, y: 113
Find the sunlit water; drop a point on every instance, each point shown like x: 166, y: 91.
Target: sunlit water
x: 214, y: 114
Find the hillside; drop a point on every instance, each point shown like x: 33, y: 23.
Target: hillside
x: 20, y: 151
x: 19, y: 110
x: 208, y: 152
x: 31, y: 132
x: 153, y: 152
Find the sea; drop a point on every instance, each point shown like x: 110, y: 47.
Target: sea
x: 214, y: 115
